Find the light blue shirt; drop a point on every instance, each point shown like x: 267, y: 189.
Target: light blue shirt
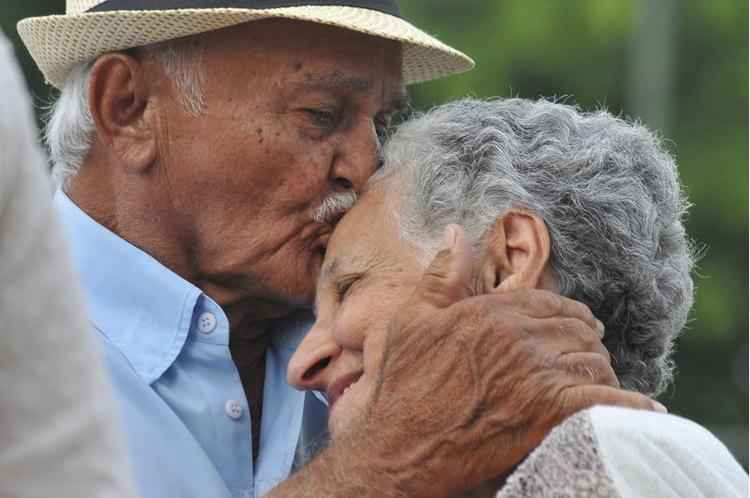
x: 183, y: 410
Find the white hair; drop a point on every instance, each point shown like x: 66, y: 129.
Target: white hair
x: 606, y: 188
x: 70, y: 129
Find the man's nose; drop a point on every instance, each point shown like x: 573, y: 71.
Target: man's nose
x: 307, y: 368
x: 357, y: 157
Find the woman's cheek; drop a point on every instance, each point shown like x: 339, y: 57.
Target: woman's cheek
x: 365, y: 311
x: 351, y: 323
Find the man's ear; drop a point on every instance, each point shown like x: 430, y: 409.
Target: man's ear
x: 517, y: 252
x: 118, y: 100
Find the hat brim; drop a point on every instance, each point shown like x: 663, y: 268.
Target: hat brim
x: 57, y: 43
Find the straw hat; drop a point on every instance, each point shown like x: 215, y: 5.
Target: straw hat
x: 90, y: 28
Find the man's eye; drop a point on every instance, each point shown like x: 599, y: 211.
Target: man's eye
x: 382, y: 132
x: 323, y: 118
x: 382, y: 128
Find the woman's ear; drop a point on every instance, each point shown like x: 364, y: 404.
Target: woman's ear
x: 516, y: 253
x: 118, y: 94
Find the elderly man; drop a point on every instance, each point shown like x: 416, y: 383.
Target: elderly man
x: 206, y: 149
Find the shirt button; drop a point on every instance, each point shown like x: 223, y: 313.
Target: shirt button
x: 233, y: 409
x: 206, y: 322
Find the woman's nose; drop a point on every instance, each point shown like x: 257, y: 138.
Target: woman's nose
x: 307, y: 368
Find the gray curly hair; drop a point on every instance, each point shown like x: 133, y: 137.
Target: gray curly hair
x: 606, y: 188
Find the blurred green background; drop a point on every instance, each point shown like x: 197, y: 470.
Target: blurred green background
x: 679, y: 65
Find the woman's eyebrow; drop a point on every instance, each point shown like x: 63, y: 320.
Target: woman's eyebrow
x: 329, y: 269
x: 355, y: 264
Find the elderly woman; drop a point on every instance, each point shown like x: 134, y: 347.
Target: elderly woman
x: 585, y: 205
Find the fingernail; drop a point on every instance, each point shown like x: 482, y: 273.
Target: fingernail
x: 449, y: 237
x: 659, y: 407
x: 600, y: 327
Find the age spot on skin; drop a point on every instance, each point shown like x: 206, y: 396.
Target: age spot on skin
x: 297, y: 66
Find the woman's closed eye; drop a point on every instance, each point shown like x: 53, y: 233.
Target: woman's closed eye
x: 344, y: 286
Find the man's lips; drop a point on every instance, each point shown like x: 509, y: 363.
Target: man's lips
x: 337, y: 388
x: 323, y: 238
x: 318, y: 234
x: 320, y: 243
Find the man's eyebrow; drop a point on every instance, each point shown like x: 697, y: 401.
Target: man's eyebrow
x: 339, y: 81
x: 334, y: 81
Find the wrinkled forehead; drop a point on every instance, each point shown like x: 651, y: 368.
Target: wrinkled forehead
x: 367, y: 239
x: 354, y: 243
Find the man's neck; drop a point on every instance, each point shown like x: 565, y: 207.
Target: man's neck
x: 133, y: 213
x: 487, y: 489
x: 248, y: 344
x: 143, y: 220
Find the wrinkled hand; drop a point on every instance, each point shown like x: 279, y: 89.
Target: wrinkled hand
x: 467, y: 386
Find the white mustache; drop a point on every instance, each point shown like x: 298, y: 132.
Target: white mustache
x: 334, y: 207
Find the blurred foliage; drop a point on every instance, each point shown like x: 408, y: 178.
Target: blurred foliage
x: 588, y: 51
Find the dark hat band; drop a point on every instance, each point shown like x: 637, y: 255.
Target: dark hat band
x: 385, y: 6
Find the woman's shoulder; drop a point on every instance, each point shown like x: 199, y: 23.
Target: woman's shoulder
x: 671, y: 455
x: 567, y: 464
x: 618, y: 452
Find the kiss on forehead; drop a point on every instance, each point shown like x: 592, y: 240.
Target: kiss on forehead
x: 207, y: 149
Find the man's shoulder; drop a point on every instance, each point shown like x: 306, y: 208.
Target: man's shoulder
x: 122, y: 373
x: 162, y: 450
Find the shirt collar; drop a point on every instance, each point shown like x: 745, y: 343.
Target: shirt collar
x: 141, y: 306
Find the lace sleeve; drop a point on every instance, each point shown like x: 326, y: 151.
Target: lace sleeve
x: 568, y: 463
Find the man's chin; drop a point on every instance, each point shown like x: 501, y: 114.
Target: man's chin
x: 302, y: 293
x: 303, y: 296
x: 298, y: 289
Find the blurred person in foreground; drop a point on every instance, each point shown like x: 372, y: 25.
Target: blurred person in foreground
x: 525, y: 195
x: 58, y: 435
x: 206, y: 149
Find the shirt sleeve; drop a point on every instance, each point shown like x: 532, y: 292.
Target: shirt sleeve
x: 58, y: 433
x: 617, y: 452
x: 656, y: 454
x: 567, y: 464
